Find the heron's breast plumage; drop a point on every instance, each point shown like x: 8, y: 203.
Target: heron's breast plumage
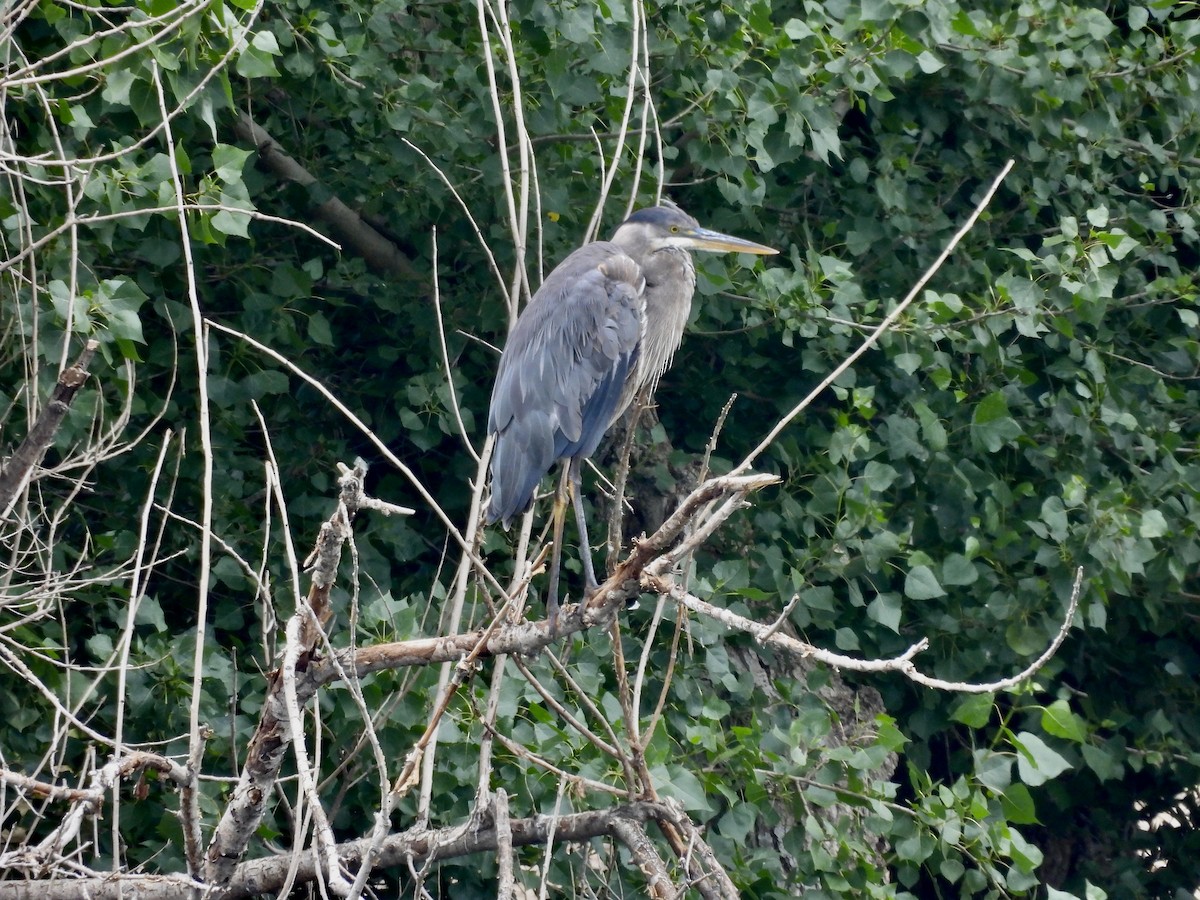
x: 670, y: 282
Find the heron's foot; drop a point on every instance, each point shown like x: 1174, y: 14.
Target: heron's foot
x: 552, y: 613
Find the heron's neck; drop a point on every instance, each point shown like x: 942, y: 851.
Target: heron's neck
x: 670, y: 282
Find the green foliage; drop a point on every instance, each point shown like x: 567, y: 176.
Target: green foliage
x: 1036, y: 410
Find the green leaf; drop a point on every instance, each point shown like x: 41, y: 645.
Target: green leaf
x: 885, y: 609
x: 1103, y: 762
x: 1059, y: 721
x: 1153, y: 525
x: 992, y: 424
x: 915, y: 848
x: 887, y: 735
x: 1037, y: 763
x: 974, y: 710
x: 879, y: 476
x: 951, y: 869
x: 963, y: 24
x: 680, y: 784
x: 70, y: 307
x: 922, y: 584
x: 1025, y: 638
x: 100, y: 646
x: 231, y: 223
x: 229, y: 161
x: 958, y: 570
x: 826, y: 143
x: 932, y: 428
x: 929, y: 63
x: 1027, y: 856
x: 1118, y: 243
x: 846, y: 640
x: 1018, y: 805
x: 117, y: 86
x: 257, y: 60
x: 319, y: 331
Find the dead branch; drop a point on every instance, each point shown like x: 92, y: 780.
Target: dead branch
x: 705, y: 872
x: 646, y: 858
x: 84, y: 803
x: 529, y: 638
x: 903, y: 663
x: 268, y: 747
x: 423, y: 844
x: 351, y: 229
x: 135, y: 762
x: 15, y: 473
x: 419, y: 845
x: 505, y: 881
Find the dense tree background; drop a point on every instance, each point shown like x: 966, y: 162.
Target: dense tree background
x: 1035, y: 411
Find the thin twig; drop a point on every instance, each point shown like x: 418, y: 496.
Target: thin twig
x: 136, y: 592
x: 565, y: 714
x: 384, y: 450
x: 873, y: 338
x: 299, y: 633
x: 191, y: 812
x: 780, y: 619
x: 441, y: 324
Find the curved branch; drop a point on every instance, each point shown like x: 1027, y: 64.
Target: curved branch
x: 903, y: 663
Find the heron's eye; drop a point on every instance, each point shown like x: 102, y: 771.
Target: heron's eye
x: 674, y: 229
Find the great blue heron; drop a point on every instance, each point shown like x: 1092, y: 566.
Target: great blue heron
x: 602, y: 327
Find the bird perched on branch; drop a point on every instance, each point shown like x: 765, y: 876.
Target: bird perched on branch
x: 601, y: 329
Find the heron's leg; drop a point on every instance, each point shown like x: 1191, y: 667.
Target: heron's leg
x: 585, y: 547
x: 558, y: 516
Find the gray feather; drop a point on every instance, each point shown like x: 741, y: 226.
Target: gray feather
x: 563, y: 370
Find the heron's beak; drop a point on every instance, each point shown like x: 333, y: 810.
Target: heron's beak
x: 704, y: 239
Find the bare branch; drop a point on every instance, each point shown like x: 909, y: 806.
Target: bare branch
x: 780, y: 619
x: 505, y: 882
x: 15, y: 473
x: 902, y: 663
x: 528, y: 638
x: 646, y: 858
x: 267, y: 875
x: 189, y: 810
x: 380, y: 253
x: 455, y: 406
x: 268, y: 747
x: 84, y: 803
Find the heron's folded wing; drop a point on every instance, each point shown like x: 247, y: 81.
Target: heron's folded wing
x: 561, y: 376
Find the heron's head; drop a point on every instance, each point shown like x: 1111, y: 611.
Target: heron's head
x: 662, y: 227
